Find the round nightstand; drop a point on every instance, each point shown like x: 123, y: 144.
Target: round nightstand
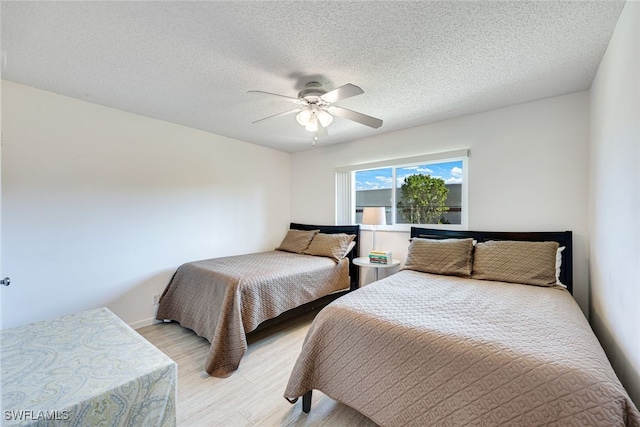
x: 364, y: 262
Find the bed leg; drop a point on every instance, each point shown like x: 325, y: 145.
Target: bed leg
x: 306, y: 402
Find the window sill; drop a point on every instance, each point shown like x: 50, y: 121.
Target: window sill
x: 406, y: 228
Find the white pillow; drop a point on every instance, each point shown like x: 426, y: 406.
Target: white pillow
x: 350, y: 247
x: 559, y: 264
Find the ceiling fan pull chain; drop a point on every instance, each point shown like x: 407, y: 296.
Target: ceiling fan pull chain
x: 315, y: 138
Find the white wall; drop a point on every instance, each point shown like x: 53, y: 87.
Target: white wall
x: 527, y: 172
x: 99, y: 206
x: 615, y: 201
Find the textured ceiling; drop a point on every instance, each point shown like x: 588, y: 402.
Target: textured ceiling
x: 192, y: 63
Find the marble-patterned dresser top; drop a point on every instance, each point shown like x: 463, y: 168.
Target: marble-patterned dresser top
x: 83, y: 369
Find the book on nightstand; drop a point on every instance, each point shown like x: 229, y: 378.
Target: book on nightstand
x: 380, y: 257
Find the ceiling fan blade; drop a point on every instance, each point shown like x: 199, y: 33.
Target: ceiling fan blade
x: 355, y: 116
x: 342, y: 92
x: 279, y: 114
x: 289, y: 98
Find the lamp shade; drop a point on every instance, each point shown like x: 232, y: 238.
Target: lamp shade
x: 374, y: 216
x: 312, y: 125
x: 312, y: 117
x: 324, y: 118
x: 303, y: 117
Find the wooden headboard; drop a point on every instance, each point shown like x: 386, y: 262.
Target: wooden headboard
x: 354, y: 271
x: 564, y: 238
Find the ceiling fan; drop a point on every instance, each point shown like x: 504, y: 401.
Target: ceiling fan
x: 316, y: 110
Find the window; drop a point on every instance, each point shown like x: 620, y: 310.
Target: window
x: 428, y: 190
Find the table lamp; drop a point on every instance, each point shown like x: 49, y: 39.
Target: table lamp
x: 374, y: 216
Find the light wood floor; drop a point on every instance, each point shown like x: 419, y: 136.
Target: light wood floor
x: 252, y: 396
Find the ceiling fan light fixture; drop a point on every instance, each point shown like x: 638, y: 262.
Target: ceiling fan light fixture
x: 324, y: 118
x: 312, y: 125
x: 303, y: 117
x: 309, y: 118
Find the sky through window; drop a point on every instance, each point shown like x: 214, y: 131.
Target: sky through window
x: 381, y: 178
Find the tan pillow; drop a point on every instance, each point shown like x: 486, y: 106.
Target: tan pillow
x: 531, y: 263
x: 334, y: 246
x: 297, y: 241
x: 451, y: 257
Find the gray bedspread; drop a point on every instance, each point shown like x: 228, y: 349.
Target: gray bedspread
x: 223, y: 299
x: 417, y: 349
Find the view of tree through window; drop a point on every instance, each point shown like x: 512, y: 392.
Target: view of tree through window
x: 422, y: 200
x: 417, y: 194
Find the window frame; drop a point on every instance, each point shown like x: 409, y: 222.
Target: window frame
x: 345, y: 182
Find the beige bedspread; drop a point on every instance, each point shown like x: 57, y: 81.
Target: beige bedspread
x: 417, y: 349
x: 223, y: 299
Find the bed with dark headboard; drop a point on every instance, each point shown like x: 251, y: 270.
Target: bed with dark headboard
x: 564, y: 239
x: 224, y: 299
x: 443, y: 342
x: 354, y: 271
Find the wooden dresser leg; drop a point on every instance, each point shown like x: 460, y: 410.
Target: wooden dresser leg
x: 306, y: 402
